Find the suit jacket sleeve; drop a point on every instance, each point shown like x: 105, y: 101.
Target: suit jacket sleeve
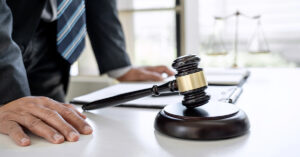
x: 106, y: 34
x: 13, y: 79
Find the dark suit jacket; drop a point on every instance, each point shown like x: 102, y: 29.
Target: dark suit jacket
x: 103, y: 27
x: 13, y: 80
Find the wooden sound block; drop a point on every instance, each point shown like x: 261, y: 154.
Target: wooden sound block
x: 212, y: 121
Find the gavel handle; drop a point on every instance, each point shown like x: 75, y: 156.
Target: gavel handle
x: 118, y: 99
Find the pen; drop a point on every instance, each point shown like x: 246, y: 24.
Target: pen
x: 235, y: 95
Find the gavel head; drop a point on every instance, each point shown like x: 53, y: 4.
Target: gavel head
x: 191, y: 81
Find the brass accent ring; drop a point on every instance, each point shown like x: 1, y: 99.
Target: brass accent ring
x: 191, y: 81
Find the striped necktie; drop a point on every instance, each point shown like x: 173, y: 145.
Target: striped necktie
x: 71, y: 28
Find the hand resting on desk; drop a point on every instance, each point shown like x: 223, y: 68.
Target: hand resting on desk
x: 148, y: 73
x: 54, y: 121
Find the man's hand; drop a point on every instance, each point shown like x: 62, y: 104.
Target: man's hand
x: 146, y: 74
x: 54, y: 121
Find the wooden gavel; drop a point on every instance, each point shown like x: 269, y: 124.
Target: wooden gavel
x: 190, y: 82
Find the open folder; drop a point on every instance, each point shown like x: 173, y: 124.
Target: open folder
x: 219, y: 93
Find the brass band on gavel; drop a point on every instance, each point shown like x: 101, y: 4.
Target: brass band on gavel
x: 191, y: 81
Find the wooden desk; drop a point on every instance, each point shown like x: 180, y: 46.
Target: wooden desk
x: 271, y: 99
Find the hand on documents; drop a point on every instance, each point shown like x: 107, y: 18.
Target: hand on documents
x: 54, y: 121
x: 151, y: 73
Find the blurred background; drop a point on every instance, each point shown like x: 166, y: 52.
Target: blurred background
x: 265, y: 33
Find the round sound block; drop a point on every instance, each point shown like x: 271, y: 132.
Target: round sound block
x: 212, y: 121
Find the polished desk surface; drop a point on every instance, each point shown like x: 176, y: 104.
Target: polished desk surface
x: 271, y: 98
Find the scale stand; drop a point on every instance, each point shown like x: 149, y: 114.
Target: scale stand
x: 257, y: 44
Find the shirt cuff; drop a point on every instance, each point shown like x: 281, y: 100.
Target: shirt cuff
x: 116, y: 73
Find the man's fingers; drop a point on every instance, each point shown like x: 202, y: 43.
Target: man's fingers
x: 146, y: 74
x: 79, y: 123
x: 161, y: 69
x: 40, y: 128
x: 55, y: 120
x: 70, y: 116
x: 15, y: 131
x: 151, y: 76
x: 72, y: 107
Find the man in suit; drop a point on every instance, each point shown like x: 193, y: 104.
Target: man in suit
x: 35, y: 60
